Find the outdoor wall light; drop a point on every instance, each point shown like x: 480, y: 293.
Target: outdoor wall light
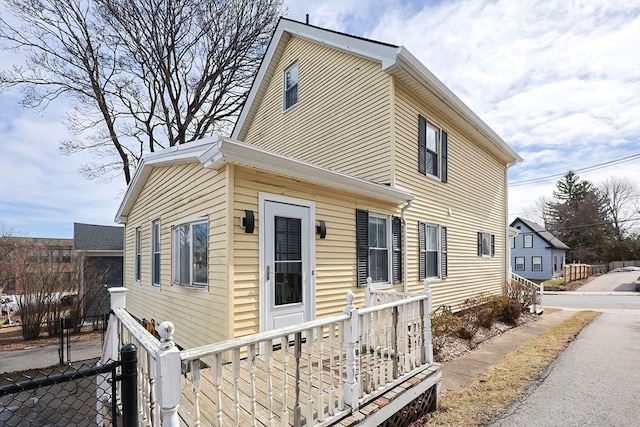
x: 321, y: 229
x: 247, y: 221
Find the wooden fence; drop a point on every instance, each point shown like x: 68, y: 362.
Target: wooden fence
x: 573, y: 272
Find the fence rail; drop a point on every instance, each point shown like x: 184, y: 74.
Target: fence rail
x: 312, y: 373
x: 573, y: 272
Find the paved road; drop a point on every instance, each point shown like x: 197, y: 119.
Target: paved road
x: 595, y: 382
x: 44, y: 357
x: 612, y: 282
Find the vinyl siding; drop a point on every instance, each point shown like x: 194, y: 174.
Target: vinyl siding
x: 176, y: 194
x: 335, y: 255
x: 475, y: 194
x: 539, y: 248
x: 342, y: 120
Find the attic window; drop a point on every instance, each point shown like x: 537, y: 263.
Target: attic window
x: 291, y: 86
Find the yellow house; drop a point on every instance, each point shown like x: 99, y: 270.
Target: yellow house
x: 350, y: 160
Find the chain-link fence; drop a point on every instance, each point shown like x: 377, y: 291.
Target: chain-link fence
x: 76, y: 396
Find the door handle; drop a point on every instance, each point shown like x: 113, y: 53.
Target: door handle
x: 268, y: 272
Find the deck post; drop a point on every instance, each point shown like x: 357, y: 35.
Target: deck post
x: 168, y: 370
x: 111, y: 347
x: 426, y: 309
x: 351, y: 334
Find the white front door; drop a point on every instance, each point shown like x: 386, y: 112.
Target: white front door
x: 287, y: 282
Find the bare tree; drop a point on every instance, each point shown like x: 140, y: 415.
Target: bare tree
x: 620, y: 198
x: 539, y: 211
x: 141, y: 75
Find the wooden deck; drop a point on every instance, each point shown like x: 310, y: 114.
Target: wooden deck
x: 295, y: 398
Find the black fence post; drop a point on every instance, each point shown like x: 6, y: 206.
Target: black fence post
x: 129, y: 380
x: 61, y: 349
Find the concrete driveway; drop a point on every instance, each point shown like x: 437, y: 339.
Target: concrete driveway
x: 613, y: 282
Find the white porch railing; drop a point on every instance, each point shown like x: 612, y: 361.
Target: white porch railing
x: 527, y: 292
x: 310, y: 374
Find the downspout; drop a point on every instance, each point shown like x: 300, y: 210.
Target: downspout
x: 405, y: 257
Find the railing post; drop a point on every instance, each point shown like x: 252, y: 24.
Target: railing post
x: 427, y: 306
x: 129, y: 384
x: 168, y: 370
x: 368, y: 293
x: 351, y: 334
x: 111, y: 345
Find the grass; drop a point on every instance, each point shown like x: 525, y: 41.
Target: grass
x: 503, y: 383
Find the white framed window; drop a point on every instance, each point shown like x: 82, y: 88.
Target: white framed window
x: 432, y: 242
x: 155, y: 253
x: 138, y: 253
x: 513, y: 242
x: 486, y: 245
x: 379, y: 244
x: 432, y: 150
x: 291, y: 86
x: 190, y: 253
x: 378, y: 248
x: 536, y: 263
x: 519, y: 263
x: 527, y: 241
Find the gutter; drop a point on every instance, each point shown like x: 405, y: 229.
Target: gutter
x: 405, y: 257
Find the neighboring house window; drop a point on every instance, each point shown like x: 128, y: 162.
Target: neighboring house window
x: 561, y: 262
x: 555, y: 263
x: 519, y: 263
x: 528, y: 240
x: 190, y: 254
x: 378, y: 247
x: 155, y: 253
x: 486, y: 244
x: 432, y: 242
x: 432, y: 150
x: 536, y: 263
x: 138, y: 261
x: 291, y: 86
x: 513, y: 242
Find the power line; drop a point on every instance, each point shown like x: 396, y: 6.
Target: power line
x: 597, y: 166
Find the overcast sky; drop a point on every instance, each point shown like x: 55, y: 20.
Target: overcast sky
x: 559, y: 81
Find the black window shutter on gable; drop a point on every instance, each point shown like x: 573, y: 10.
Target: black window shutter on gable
x: 443, y: 250
x: 422, y: 145
x: 479, y: 244
x: 396, y: 233
x: 362, y: 246
x: 422, y: 250
x: 445, y: 149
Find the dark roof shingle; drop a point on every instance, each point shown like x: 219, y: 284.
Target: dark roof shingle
x: 91, y: 237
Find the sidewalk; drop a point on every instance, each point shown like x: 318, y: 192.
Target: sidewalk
x: 457, y: 373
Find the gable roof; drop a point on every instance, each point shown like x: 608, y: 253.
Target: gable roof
x: 542, y: 232
x: 91, y: 237
x: 217, y: 151
x: 394, y: 60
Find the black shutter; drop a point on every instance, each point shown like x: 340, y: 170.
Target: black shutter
x: 443, y: 250
x: 422, y: 250
x: 396, y: 233
x: 422, y: 145
x: 445, y: 147
x: 362, y: 246
x: 493, y: 245
x: 479, y: 244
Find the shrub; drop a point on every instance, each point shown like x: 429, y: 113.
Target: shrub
x: 444, y: 329
x: 476, y: 312
x: 511, y: 312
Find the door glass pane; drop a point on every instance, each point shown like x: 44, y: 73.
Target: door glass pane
x: 288, y: 260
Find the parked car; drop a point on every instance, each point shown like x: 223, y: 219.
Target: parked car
x: 9, y: 304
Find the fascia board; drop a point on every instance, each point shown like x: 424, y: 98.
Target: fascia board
x: 227, y: 151
x: 412, y: 66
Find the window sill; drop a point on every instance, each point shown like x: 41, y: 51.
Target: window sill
x: 432, y: 177
x: 155, y: 287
